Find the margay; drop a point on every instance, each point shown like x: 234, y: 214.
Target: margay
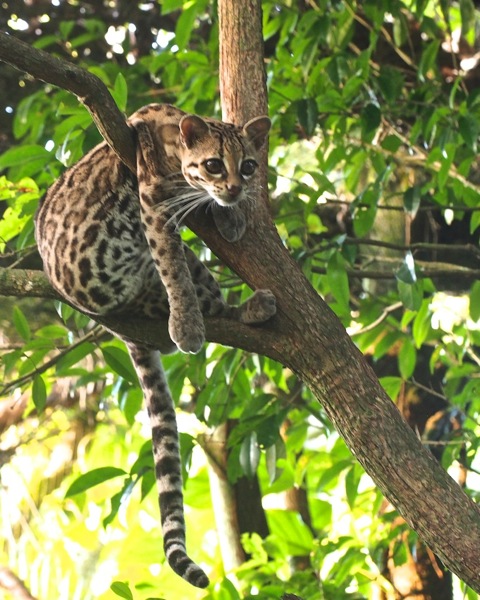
x: 110, y: 244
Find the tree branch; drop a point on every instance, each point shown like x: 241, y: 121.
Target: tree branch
x: 89, y: 89
x: 308, y: 338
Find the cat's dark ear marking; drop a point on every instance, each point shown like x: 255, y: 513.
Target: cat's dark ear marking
x: 192, y: 130
x: 256, y: 130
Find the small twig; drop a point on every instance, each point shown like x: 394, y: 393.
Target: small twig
x: 378, y: 320
x: 92, y: 335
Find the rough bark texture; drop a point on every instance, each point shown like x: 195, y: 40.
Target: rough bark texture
x: 307, y: 337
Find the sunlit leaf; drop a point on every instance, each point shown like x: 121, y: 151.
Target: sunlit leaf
x: 93, y: 478
x: 39, y: 393
x: 21, y: 323
x: 338, y: 280
x: 407, y: 358
x: 119, y: 360
x: 119, y: 588
x: 250, y: 454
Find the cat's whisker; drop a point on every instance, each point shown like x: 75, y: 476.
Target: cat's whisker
x: 186, y: 209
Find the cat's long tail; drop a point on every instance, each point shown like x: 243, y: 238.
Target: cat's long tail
x: 166, y: 457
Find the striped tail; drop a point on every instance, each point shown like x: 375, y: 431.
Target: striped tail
x: 166, y: 457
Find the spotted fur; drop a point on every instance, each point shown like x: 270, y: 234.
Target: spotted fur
x: 110, y: 244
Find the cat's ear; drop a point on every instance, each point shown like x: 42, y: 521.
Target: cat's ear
x: 256, y: 130
x: 192, y: 130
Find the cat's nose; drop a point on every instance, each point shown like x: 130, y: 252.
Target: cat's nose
x: 234, y: 190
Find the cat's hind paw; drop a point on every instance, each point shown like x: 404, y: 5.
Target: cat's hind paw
x: 258, y: 308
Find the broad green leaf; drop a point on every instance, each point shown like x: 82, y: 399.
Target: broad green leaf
x: 411, y: 200
x: 370, y: 121
x: 21, y: 155
x: 118, y: 499
x: 428, y: 60
x: 74, y: 356
x: 122, y: 589
x: 52, y: 332
x: 39, y: 393
x: 422, y: 323
x: 119, y: 360
x: 406, y: 272
x: 338, y: 281
x: 352, y: 480
x: 469, y: 128
x: 307, y: 115
x: 131, y: 402
x: 411, y: 294
x: 392, y: 386
x: 365, y: 210
x: 168, y: 6
x: 407, y: 359
x: 474, y: 307
x: 250, y: 454
x: 289, y: 526
x: 93, y: 478
x: 21, y: 324
x: 120, y: 92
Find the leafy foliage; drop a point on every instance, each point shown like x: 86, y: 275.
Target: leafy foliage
x: 374, y: 184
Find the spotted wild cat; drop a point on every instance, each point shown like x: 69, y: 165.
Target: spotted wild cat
x: 110, y: 245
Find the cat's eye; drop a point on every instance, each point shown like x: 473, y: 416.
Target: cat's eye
x: 248, y: 167
x: 214, y: 166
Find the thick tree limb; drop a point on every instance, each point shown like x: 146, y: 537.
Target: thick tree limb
x: 89, y: 89
x: 307, y: 337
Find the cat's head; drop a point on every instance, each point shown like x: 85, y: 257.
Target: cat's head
x: 221, y: 158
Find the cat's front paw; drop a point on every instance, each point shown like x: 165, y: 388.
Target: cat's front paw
x: 230, y: 222
x: 259, y: 307
x: 187, y: 333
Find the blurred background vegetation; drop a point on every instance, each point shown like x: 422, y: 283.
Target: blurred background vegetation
x: 375, y: 189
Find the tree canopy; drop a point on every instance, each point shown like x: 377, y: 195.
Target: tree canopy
x: 373, y: 181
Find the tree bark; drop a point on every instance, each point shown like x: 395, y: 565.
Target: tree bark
x: 308, y: 338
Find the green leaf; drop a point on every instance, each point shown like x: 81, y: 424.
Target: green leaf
x: 119, y: 360
x: 392, y: 385
x: 352, y: 480
x: 118, y: 499
x: 407, y: 359
x: 411, y: 294
x: 120, y: 92
x: 428, y: 60
x: 370, y: 120
x: 474, y: 307
x: 411, y: 200
x: 74, y: 356
x: 422, y: 323
x: 469, y: 128
x: 168, y: 6
x: 119, y: 588
x: 406, y: 272
x: 391, y: 83
x: 365, y: 210
x: 52, y: 332
x: 307, y: 111
x: 21, y: 324
x: 289, y: 526
x: 39, y: 393
x: 338, y: 281
x: 21, y: 155
x: 250, y: 454
x: 93, y: 478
